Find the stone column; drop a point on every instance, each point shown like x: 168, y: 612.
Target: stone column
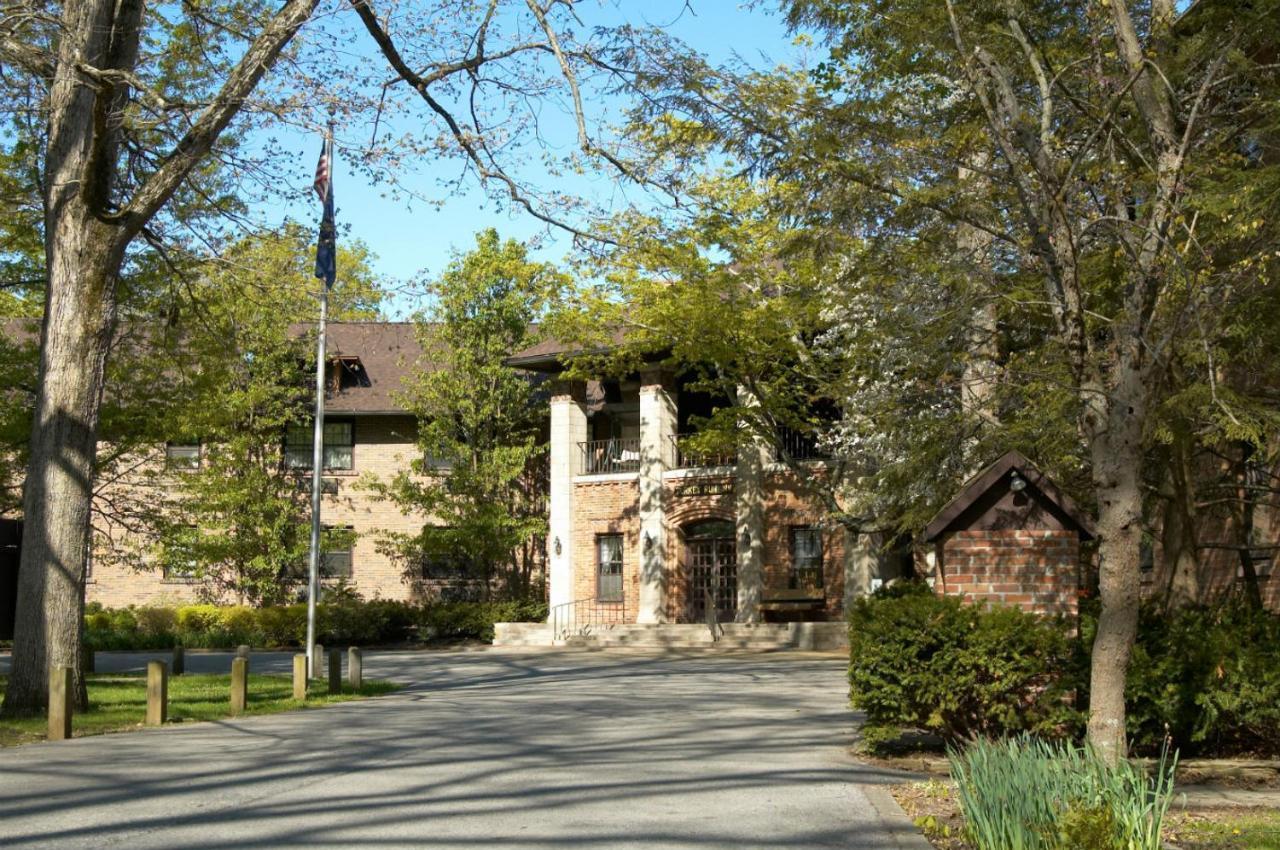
x: 861, y: 564
x: 657, y: 428
x: 748, y: 494
x: 568, y: 429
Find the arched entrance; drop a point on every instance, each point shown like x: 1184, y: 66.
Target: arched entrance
x: 711, y: 564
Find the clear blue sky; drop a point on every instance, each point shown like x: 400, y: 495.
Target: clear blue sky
x: 412, y: 238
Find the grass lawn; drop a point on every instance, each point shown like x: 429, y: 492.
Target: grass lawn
x: 118, y: 702
x: 932, y: 807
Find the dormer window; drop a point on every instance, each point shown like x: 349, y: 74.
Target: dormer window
x: 347, y: 372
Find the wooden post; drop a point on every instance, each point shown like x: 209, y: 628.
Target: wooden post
x: 335, y: 671
x: 355, y: 668
x: 62, y: 695
x: 157, y: 693
x: 300, y: 676
x: 179, y: 665
x: 239, y: 685
x: 89, y: 659
x: 317, y: 661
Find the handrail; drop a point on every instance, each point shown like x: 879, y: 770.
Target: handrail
x: 577, y: 618
x: 603, y: 457
x: 687, y: 458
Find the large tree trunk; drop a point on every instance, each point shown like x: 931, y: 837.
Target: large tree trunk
x: 82, y: 255
x: 1117, y: 463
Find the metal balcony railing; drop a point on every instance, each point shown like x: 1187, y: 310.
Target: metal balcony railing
x: 602, y: 457
x: 686, y: 457
x: 799, y: 446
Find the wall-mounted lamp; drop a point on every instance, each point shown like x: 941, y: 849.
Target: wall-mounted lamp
x: 746, y: 540
x: 648, y: 541
x: 559, y: 548
x: 1017, y: 483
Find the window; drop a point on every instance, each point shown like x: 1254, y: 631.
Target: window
x: 182, y: 455
x: 335, y: 555
x: 806, y: 557
x: 339, y: 442
x: 179, y: 559
x: 431, y: 462
x: 609, y: 568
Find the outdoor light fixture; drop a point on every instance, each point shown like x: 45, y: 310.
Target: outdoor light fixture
x: 1017, y: 483
x: 648, y: 541
x: 559, y: 548
x: 746, y: 540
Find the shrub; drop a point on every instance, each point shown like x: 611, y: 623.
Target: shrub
x: 347, y: 620
x: 933, y: 663
x: 1026, y: 794
x: 1210, y: 676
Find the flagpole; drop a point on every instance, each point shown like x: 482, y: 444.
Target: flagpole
x: 317, y: 447
x: 317, y: 482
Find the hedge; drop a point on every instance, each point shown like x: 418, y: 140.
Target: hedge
x: 1207, y: 677
x: 344, y: 623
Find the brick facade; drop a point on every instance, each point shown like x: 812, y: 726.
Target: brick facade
x: 609, y: 504
x: 1038, y: 571
x: 383, y: 446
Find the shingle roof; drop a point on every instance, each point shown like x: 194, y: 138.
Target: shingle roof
x: 388, y: 351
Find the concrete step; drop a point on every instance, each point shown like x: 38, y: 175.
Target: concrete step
x: 749, y: 636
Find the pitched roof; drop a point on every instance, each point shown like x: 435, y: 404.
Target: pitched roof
x: 388, y: 351
x: 550, y: 355
x: 981, y: 494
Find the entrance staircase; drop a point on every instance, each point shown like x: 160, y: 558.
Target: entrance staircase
x: 758, y: 637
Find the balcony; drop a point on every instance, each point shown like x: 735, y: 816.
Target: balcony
x: 799, y: 446
x: 687, y: 457
x: 606, y: 457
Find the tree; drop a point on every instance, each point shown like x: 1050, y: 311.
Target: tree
x: 238, y: 523
x: 135, y: 105
x: 1085, y: 143
x: 479, y: 421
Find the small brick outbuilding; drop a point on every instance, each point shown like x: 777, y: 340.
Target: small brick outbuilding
x: 1011, y: 536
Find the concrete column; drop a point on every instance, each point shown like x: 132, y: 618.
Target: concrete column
x: 748, y: 494
x: 568, y: 429
x: 317, y: 660
x: 239, y: 685
x: 300, y: 676
x: 861, y: 564
x: 355, y: 667
x: 657, y: 427
x: 157, y: 693
x: 62, y: 694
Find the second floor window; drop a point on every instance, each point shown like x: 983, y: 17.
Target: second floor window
x: 339, y: 444
x: 609, y: 568
x: 806, y: 557
x: 182, y: 455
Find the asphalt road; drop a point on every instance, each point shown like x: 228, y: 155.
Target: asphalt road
x: 483, y: 749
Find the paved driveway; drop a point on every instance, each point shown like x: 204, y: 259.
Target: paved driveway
x: 484, y: 749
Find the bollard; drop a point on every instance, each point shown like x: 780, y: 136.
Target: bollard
x: 300, y: 676
x: 239, y: 684
x: 179, y: 665
x: 317, y: 661
x: 242, y: 651
x: 88, y: 660
x: 335, y: 671
x: 157, y: 693
x: 62, y: 694
x: 355, y: 668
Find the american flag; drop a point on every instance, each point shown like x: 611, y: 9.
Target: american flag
x: 326, y: 248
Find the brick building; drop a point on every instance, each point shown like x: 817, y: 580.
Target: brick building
x: 644, y: 530
x: 1010, y: 536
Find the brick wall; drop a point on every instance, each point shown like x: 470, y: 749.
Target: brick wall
x: 787, y: 505
x: 609, y: 505
x: 384, y: 445
x: 1037, y: 571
